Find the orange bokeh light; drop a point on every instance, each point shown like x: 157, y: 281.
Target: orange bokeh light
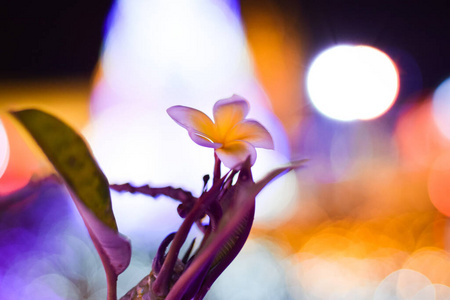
x: 438, y: 184
x: 418, y: 138
x: 22, y: 161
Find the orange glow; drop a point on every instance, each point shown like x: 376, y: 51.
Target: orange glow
x: 22, y: 162
x: 438, y: 184
x: 339, y: 258
x: 66, y: 99
x: 276, y: 50
x: 376, y: 228
x: 4, y: 149
x: 418, y: 138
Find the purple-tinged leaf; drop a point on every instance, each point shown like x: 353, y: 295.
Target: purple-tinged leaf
x: 113, y: 248
x: 227, y: 253
x: 158, y: 260
x: 72, y: 159
x: 239, y: 210
x: 162, y: 282
x: 275, y: 173
x: 188, y: 252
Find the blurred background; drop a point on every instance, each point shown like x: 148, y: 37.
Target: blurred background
x: 360, y: 88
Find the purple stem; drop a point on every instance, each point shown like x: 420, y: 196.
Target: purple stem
x: 210, y: 251
x: 161, y: 284
x: 217, y: 173
x: 111, y: 280
x: 111, y: 276
x: 159, y: 258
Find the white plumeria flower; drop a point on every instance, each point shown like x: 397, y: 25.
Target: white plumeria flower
x: 233, y: 137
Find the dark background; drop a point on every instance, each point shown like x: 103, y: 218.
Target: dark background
x: 52, y: 39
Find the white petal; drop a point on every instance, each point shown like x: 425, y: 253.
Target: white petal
x: 252, y: 132
x: 234, y: 154
x: 228, y: 112
x: 193, y: 120
x: 203, y: 141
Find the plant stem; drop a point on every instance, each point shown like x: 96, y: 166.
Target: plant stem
x: 161, y: 284
x: 217, y: 173
x: 112, y: 286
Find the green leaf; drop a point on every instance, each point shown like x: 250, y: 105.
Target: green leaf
x: 73, y: 160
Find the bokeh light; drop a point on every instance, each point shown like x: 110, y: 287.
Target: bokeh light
x: 276, y: 60
x: 433, y: 291
x: 4, y: 149
x: 366, y: 218
x: 157, y: 55
x: 441, y: 107
x: 352, y: 82
x: 431, y: 262
x: 139, y: 154
x: 178, y: 53
x: 50, y: 255
x: 265, y: 275
x: 401, y: 284
x: 418, y: 137
x: 438, y: 184
x: 23, y: 161
x: 270, y: 212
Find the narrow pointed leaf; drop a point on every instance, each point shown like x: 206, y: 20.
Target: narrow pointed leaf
x: 230, y: 225
x: 72, y: 159
x: 275, y: 173
x: 225, y: 256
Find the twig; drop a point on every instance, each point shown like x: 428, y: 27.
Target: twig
x: 174, y: 193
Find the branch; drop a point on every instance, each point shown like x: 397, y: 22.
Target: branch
x: 174, y: 193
